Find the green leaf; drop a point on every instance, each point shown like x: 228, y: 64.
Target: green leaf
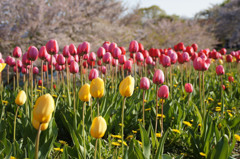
x: 221, y: 149
x: 2, y: 147
x: 161, y: 145
x: 145, y: 142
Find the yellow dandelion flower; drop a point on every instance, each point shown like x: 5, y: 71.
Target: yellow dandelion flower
x: 175, y: 85
x: 145, y: 101
x: 210, y: 99
x: 229, y: 111
x: 133, y: 131
x: 158, y: 134
x: 57, y: 149
x: 139, y: 120
x: 233, y: 108
x: 148, y: 109
x: 61, y: 150
x: 62, y: 142
x: 187, y: 123
x: 162, y: 100
x: 218, y: 109
x: 12, y: 157
x: 41, y: 87
x: 64, y: 96
x: 199, y: 125
x: 173, y: 118
x: 230, y: 114
x: 139, y: 142
x: 54, y: 95
x: 115, y: 144
x: 124, y: 143
x: 120, y: 124
x: 191, y: 120
x: 5, y: 102
x: 152, y: 88
x: 176, y: 131
x: 202, y: 154
x: 184, y: 154
x: 116, y: 136
x: 129, y: 137
x: 237, y: 137
x: 219, y: 103
x: 39, y: 90
x: 160, y: 115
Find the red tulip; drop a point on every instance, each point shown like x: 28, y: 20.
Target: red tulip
x: 185, y: 57
x: 7, y: 59
x: 133, y: 47
x: 112, y: 46
x: 14, y: 69
x: 35, y: 70
x: 140, y: 46
x: 166, y: 61
x: 52, y: 61
x: 139, y: 57
x: 42, y: 53
x: 230, y: 78
x: 93, y: 74
x: 190, y: 50
x: 52, y: 47
x: 188, y: 87
x: 85, y: 64
x: 92, y: 56
x: 123, y: 50
x: 128, y: 65
x: 104, y: 69
x: 107, y: 58
x: 201, y: 64
x: 144, y: 83
x: 229, y: 58
x: 58, y: 67
x: 233, y: 53
x: 149, y: 60
x: 66, y: 52
x: 85, y: 48
x: 145, y: 54
x: 106, y: 45
x: 91, y: 63
x: 122, y: 59
x: 12, y: 62
x: 163, y: 92
x: 61, y: 59
x: 223, y: 86
x: 74, y: 68
x: 19, y: 63
x: 39, y: 82
x: 223, y: 51
x: 180, y: 58
x: 173, y: 57
x: 70, y: 59
x: 220, y: 70
x: 114, y: 62
x: 32, y: 53
x: 44, y: 68
x: 85, y: 57
x: 180, y: 46
x: 17, y: 52
x: 101, y: 51
x: 99, y: 62
x: 158, y: 77
x: 194, y: 55
x: 117, y: 52
x: 54, y: 86
x: 24, y: 70
x: 72, y: 49
x: 195, y: 47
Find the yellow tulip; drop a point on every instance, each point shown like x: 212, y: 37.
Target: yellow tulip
x: 2, y: 66
x: 126, y: 87
x: 43, y: 108
x: 21, y: 98
x: 36, y: 123
x: 84, y: 93
x: 220, y: 62
x: 98, y: 127
x: 97, y: 88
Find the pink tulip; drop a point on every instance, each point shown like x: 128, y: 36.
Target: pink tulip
x: 24, y: 70
x: 72, y: 49
x: 66, y: 52
x: 114, y: 62
x: 173, y: 57
x: 220, y: 70
x: 25, y: 60
x: 74, y: 68
x: 145, y: 54
x: 144, y: 83
x: 233, y: 53
x: 61, y: 59
x: 163, y: 92
x: 99, y: 62
x: 42, y: 53
x: 52, y: 47
x: 93, y: 74
x: 230, y: 78
x: 106, y: 45
x: 194, y: 55
x: 85, y: 57
x: 158, y: 77
x: 32, y: 53
x: 139, y: 57
x: 188, y: 87
x: 7, y: 59
x: 149, y: 60
x: 128, y: 65
x: 92, y: 56
x: 185, y: 57
x: 107, y: 58
x: 122, y: 59
x: 12, y: 62
x: 195, y: 47
x: 17, y: 52
x: 104, y: 69
x: 19, y: 63
x: 14, y: 69
x: 229, y: 58
x: 141, y: 47
x: 112, y: 46
x: 58, y: 67
x: 85, y: 48
x: 190, y: 50
x: 117, y: 52
x: 76, y: 58
x: 123, y: 50
x: 101, y: 51
x: 200, y: 64
x: 48, y: 57
x: 166, y: 61
x: 52, y: 61
x: 35, y: 70
x: 223, y: 51
x: 133, y: 46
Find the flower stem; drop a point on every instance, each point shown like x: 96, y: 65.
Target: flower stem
x: 162, y: 120
x: 199, y: 78
x: 222, y: 95
x: 14, y: 127
x: 124, y: 100
x: 42, y: 76
x: 37, y: 141
x: 98, y: 106
x: 156, y: 110
x: 204, y: 107
x: 83, y: 132
x: 95, y: 153
x: 143, y: 109
x: 52, y: 74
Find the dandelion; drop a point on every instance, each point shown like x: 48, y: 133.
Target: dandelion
x: 139, y: 120
x: 115, y: 144
x: 175, y: 85
x: 133, y: 131
x: 229, y: 111
x: 12, y: 157
x: 210, y: 99
x: 58, y: 149
x: 187, y: 123
x: 176, y: 131
x: 62, y: 142
x: 199, y: 125
x: 219, y: 103
x: 237, y: 137
x: 64, y: 96
x: 116, y: 136
x: 191, y: 120
x: 158, y: 134
x: 5, y: 102
x: 218, y: 109
x: 129, y: 137
x: 145, y: 101
x: 160, y: 115
x: 54, y: 95
x: 124, y: 143
x: 230, y: 114
x: 202, y: 154
x: 233, y: 108
x: 120, y: 124
x: 139, y: 142
x: 148, y: 109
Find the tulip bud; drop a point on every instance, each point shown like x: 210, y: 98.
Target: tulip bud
x: 114, y: 62
x: 61, y: 59
x: 123, y: 50
x: 98, y: 127
x: 128, y: 65
x: 36, y: 124
x: 92, y: 56
x: 230, y: 78
x: 24, y: 70
x: 101, y: 51
x: 99, y: 62
x: 93, y: 74
x: 32, y: 53
x: 117, y: 53
x: 145, y: 54
x: 195, y: 47
x: 72, y: 49
x: 19, y: 64
x: 133, y: 46
x: 158, y: 77
x: 21, y: 98
x: 223, y: 86
x: 163, y: 91
x: 220, y: 70
x: 112, y: 46
x: 104, y: 69
x: 139, y: 57
x: 84, y: 93
x: 74, y: 68
x: 44, y: 106
x: 144, y: 83
x: 76, y: 58
x: 66, y: 52
x: 188, y: 87
x: 126, y: 87
x: 35, y: 70
x: 223, y: 51
x: 107, y: 58
x: 229, y: 58
x: 12, y: 62
x: 58, y: 67
x: 54, y: 86
x: 39, y: 82
x: 106, y: 45
x: 185, y: 57
x: 17, y: 52
x: 141, y: 47
x: 42, y: 53
x: 52, y: 47
x: 85, y: 48
x: 166, y: 61
x: 44, y: 68
x: 149, y: 60
x: 122, y: 59
x: 97, y: 88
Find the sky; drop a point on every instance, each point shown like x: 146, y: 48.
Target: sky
x: 183, y: 8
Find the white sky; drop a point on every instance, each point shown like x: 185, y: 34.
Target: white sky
x: 183, y: 8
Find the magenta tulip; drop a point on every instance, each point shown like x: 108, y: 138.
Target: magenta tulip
x: 220, y: 70
x: 101, y: 51
x: 112, y: 46
x: 17, y: 52
x: 139, y: 57
x: 61, y: 59
x: 133, y: 46
x: 42, y: 53
x: 107, y: 58
x: 74, y: 68
x: 93, y: 74
x: 149, y: 60
x: 229, y: 58
x: 173, y: 57
x: 117, y: 53
x: 32, y: 53
x: 70, y: 59
x: 144, y: 83
x: 12, y: 62
x: 158, y: 77
x: 163, y: 92
x: 66, y: 52
x: 185, y: 57
x: 122, y: 59
x: 72, y: 49
x: 128, y: 65
x: 52, y: 47
x: 166, y: 61
x: 24, y: 70
x: 85, y: 48
x: 104, y: 69
x: 35, y: 70
x: 92, y: 56
x: 188, y: 87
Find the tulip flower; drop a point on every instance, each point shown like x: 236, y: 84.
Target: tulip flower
x: 126, y: 89
x: 52, y: 47
x: 93, y: 74
x: 17, y: 52
x: 123, y: 50
x: 101, y: 51
x: 188, y: 87
x: 128, y: 65
x: 117, y: 52
x: 220, y: 70
x: 107, y: 58
x: 85, y: 48
x: 112, y: 46
x: 42, y: 113
x: 97, y: 130
x: 144, y: 84
x: 97, y: 88
x: 163, y: 93
x: 230, y: 79
x: 106, y: 45
x: 195, y: 47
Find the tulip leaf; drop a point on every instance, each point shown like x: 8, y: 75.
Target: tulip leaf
x: 2, y: 147
x: 221, y: 149
x: 145, y: 142
x: 161, y: 145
